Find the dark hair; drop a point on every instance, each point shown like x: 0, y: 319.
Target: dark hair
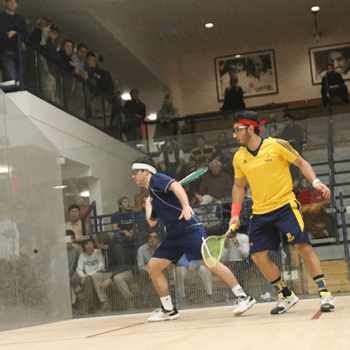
x: 64, y: 42
x: 104, y: 238
x: 233, y: 80
x: 73, y: 206
x: 82, y: 45
x: 90, y: 53
x: 330, y: 64
x: 250, y: 115
x: 70, y: 233
x: 100, y: 58
x: 288, y: 115
x: 152, y: 231
x: 133, y: 90
x: 145, y: 160
x: 87, y: 239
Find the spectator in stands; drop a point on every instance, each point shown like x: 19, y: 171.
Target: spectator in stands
x: 79, y: 60
x: 235, y: 255
x: 189, y: 270
x: 145, y: 253
x: 119, y: 269
x: 216, y: 183
x: 293, y: 133
x: 123, y: 224
x: 105, y: 83
x: 233, y: 99
x: 202, y: 149
x: 318, y: 222
x: 172, y: 160
x: 51, y: 45
x: 135, y: 117
x: 207, y: 214
x: 165, y: 116
x: 11, y: 25
x: 91, y: 68
x: 226, y: 159
x: 73, y: 253
x: 221, y: 141
x: 90, y: 263
x: 75, y: 225
x: 65, y: 56
x: 39, y: 37
x: 333, y: 85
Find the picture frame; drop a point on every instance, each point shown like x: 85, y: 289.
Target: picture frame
x: 255, y: 71
x: 321, y: 56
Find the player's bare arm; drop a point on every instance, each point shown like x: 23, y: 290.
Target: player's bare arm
x: 309, y: 173
x: 237, y: 197
x: 180, y: 193
x: 148, y: 209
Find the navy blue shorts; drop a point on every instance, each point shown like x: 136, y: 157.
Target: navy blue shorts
x: 176, y: 244
x: 265, y: 229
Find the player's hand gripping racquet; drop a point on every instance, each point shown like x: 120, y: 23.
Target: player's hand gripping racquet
x: 193, y: 176
x: 212, y: 247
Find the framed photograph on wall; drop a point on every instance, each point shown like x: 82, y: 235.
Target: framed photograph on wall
x: 255, y: 71
x: 320, y: 57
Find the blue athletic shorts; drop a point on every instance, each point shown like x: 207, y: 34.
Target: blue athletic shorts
x: 265, y: 228
x: 176, y: 244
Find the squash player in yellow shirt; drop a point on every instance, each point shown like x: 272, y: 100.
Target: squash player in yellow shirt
x: 264, y: 163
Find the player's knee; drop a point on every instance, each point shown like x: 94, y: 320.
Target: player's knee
x: 303, y: 248
x: 260, y: 257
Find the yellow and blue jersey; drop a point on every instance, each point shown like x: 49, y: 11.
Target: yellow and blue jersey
x: 268, y: 174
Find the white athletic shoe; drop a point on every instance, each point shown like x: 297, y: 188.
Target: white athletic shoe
x: 161, y: 314
x: 284, y: 303
x: 327, y: 302
x: 243, y: 304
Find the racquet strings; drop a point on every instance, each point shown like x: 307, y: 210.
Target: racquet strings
x: 215, y: 245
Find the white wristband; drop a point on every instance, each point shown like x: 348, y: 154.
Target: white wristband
x: 316, y: 181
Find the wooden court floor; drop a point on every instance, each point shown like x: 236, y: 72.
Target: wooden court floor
x: 303, y: 327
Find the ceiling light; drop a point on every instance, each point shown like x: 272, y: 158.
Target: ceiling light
x: 60, y: 187
x: 126, y: 96
x: 4, y: 169
x: 238, y: 56
x: 209, y: 25
x: 315, y: 8
x: 85, y: 194
x: 152, y: 116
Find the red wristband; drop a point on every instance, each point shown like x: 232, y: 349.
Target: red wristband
x: 235, y: 209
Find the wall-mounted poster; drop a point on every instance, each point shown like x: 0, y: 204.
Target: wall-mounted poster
x: 320, y: 57
x: 255, y: 71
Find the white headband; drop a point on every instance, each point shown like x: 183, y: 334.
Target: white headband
x: 143, y: 166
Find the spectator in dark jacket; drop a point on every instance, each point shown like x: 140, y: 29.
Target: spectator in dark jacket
x: 119, y: 266
x: 11, y: 25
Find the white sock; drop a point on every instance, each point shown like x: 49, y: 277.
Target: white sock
x: 238, y: 291
x: 166, y: 302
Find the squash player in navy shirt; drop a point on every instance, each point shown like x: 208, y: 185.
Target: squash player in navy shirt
x: 168, y: 201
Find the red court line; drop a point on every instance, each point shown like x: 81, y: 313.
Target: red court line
x: 117, y: 329
x: 317, y: 315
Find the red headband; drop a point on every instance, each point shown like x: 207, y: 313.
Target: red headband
x: 251, y: 122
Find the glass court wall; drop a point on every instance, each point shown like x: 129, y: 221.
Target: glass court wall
x: 34, y: 287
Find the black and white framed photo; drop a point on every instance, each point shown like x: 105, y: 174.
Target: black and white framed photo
x: 320, y: 57
x: 255, y: 71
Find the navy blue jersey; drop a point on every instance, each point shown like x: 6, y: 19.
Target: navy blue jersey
x: 166, y: 205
